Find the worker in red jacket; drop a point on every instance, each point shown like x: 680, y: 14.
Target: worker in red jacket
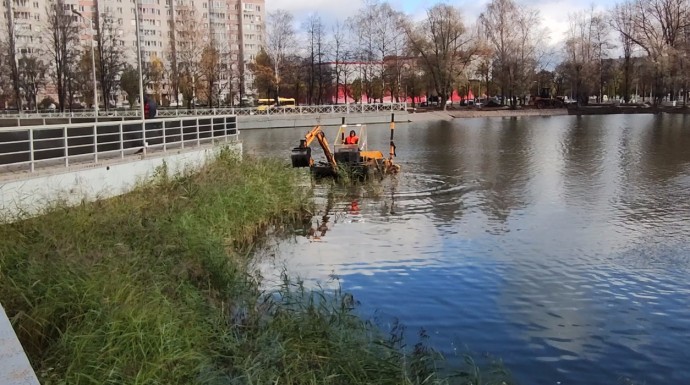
x: 353, y: 138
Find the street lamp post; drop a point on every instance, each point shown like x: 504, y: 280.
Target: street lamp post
x: 141, y: 78
x: 93, y: 61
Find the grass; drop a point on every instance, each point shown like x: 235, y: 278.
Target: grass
x: 153, y: 287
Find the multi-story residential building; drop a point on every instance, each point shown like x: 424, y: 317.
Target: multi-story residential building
x: 235, y: 28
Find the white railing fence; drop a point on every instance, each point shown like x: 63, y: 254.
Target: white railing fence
x: 170, y: 112
x: 26, y: 120
x: 28, y: 148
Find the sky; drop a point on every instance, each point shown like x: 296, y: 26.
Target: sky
x: 554, y: 13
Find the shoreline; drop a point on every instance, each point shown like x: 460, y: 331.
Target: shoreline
x: 434, y: 115
x: 459, y: 114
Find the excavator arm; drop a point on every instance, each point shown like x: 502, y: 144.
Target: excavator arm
x: 301, y: 156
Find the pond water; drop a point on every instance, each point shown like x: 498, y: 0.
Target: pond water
x: 559, y: 244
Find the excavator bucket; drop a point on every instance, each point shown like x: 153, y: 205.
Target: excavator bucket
x: 301, y: 157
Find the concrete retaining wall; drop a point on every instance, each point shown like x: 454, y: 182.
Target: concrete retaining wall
x: 15, y: 368
x: 31, y: 195
x: 283, y: 121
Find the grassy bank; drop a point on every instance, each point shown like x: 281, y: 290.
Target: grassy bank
x: 153, y: 288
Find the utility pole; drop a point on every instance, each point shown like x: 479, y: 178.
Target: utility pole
x: 141, y: 78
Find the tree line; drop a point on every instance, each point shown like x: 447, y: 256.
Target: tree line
x: 638, y: 47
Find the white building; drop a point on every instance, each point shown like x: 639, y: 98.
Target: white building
x: 236, y: 27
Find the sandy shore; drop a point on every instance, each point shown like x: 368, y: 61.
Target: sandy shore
x: 479, y: 113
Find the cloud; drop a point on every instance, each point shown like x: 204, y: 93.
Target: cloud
x: 554, y: 13
x: 329, y: 10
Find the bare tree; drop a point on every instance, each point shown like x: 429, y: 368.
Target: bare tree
x: 584, y: 49
x: 63, y: 36
x: 110, y: 59
x: 6, y: 88
x: 280, y: 40
x: 600, y: 38
x: 11, y: 58
x: 389, y: 44
x: 316, y: 48
x: 190, y: 41
x: 444, y: 46
x: 622, y: 22
x: 660, y: 29
x: 32, y: 76
x: 173, y: 70
x: 363, y: 30
x: 340, y: 55
x: 514, y: 34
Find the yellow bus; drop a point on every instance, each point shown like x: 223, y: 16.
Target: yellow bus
x: 264, y: 104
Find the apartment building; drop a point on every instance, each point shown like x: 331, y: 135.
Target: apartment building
x: 234, y: 27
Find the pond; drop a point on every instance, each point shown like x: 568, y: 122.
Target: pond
x: 559, y: 244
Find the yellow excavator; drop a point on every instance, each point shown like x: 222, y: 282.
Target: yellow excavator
x: 355, y: 159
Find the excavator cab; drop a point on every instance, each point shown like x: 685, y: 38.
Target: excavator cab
x: 350, y: 154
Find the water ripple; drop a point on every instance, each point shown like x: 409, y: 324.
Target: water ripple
x: 559, y: 244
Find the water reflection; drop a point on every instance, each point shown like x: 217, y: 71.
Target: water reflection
x: 557, y: 243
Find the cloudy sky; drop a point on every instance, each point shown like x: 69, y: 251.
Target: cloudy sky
x: 554, y: 12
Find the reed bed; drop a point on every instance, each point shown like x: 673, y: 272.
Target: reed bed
x: 154, y: 287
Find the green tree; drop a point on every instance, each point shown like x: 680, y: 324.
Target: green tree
x: 154, y: 72
x: 188, y: 84
x: 264, y: 74
x: 376, y: 88
x: 32, y: 76
x: 210, y: 70
x: 356, y: 90
x: 414, y: 85
x: 84, y: 77
x: 129, y: 82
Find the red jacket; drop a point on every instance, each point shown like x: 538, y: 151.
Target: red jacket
x: 352, y: 139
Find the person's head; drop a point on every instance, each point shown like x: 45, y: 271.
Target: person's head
x: 352, y: 133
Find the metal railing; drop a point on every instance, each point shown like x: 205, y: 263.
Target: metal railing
x: 244, y: 111
x: 25, y: 149
x: 44, y: 121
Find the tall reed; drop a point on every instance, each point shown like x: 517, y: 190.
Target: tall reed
x: 154, y: 287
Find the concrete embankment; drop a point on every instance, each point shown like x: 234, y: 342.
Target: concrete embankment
x: 309, y: 120
x: 15, y: 368
x: 480, y: 113
x: 31, y: 193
